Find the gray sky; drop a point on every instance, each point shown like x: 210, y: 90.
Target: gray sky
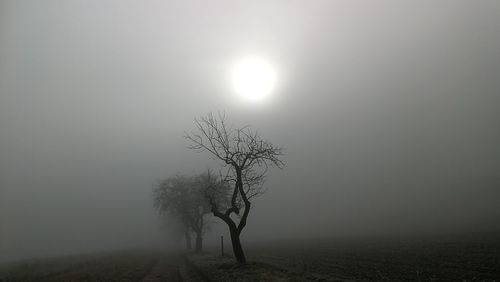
x: 389, y: 113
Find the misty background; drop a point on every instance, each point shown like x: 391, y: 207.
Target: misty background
x: 388, y: 112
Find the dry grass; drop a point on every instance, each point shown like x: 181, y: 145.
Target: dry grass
x: 222, y: 269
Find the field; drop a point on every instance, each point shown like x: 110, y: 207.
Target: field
x: 445, y: 258
x: 117, y: 266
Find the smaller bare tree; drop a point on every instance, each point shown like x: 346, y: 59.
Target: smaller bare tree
x: 245, y: 158
x: 183, y: 198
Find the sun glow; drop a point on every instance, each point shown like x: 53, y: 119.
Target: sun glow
x: 253, y: 78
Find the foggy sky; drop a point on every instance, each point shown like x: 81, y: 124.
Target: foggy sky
x: 389, y: 113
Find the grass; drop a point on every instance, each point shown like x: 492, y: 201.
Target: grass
x: 217, y: 268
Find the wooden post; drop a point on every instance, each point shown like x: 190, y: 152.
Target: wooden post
x: 222, y: 245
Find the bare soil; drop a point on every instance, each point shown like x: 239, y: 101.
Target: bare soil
x: 443, y: 258
x: 120, y: 266
x: 434, y: 258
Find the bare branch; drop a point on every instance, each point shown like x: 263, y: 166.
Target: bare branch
x: 245, y: 154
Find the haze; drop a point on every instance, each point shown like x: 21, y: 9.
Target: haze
x: 388, y: 112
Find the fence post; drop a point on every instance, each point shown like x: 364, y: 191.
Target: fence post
x: 222, y: 245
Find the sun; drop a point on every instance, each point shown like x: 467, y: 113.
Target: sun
x: 253, y: 78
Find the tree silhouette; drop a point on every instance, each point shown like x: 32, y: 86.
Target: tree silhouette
x: 183, y: 198
x: 245, y: 158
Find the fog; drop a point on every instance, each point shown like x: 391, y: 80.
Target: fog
x: 388, y: 113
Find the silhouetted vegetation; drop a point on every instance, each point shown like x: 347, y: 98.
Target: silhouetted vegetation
x: 183, y: 198
x: 245, y: 158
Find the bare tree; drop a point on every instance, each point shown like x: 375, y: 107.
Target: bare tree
x: 183, y: 197
x: 245, y: 158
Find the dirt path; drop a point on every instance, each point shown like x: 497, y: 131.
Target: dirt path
x: 165, y: 270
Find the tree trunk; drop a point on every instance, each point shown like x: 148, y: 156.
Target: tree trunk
x: 199, y: 242
x: 237, y: 249
x: 187, y: 236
